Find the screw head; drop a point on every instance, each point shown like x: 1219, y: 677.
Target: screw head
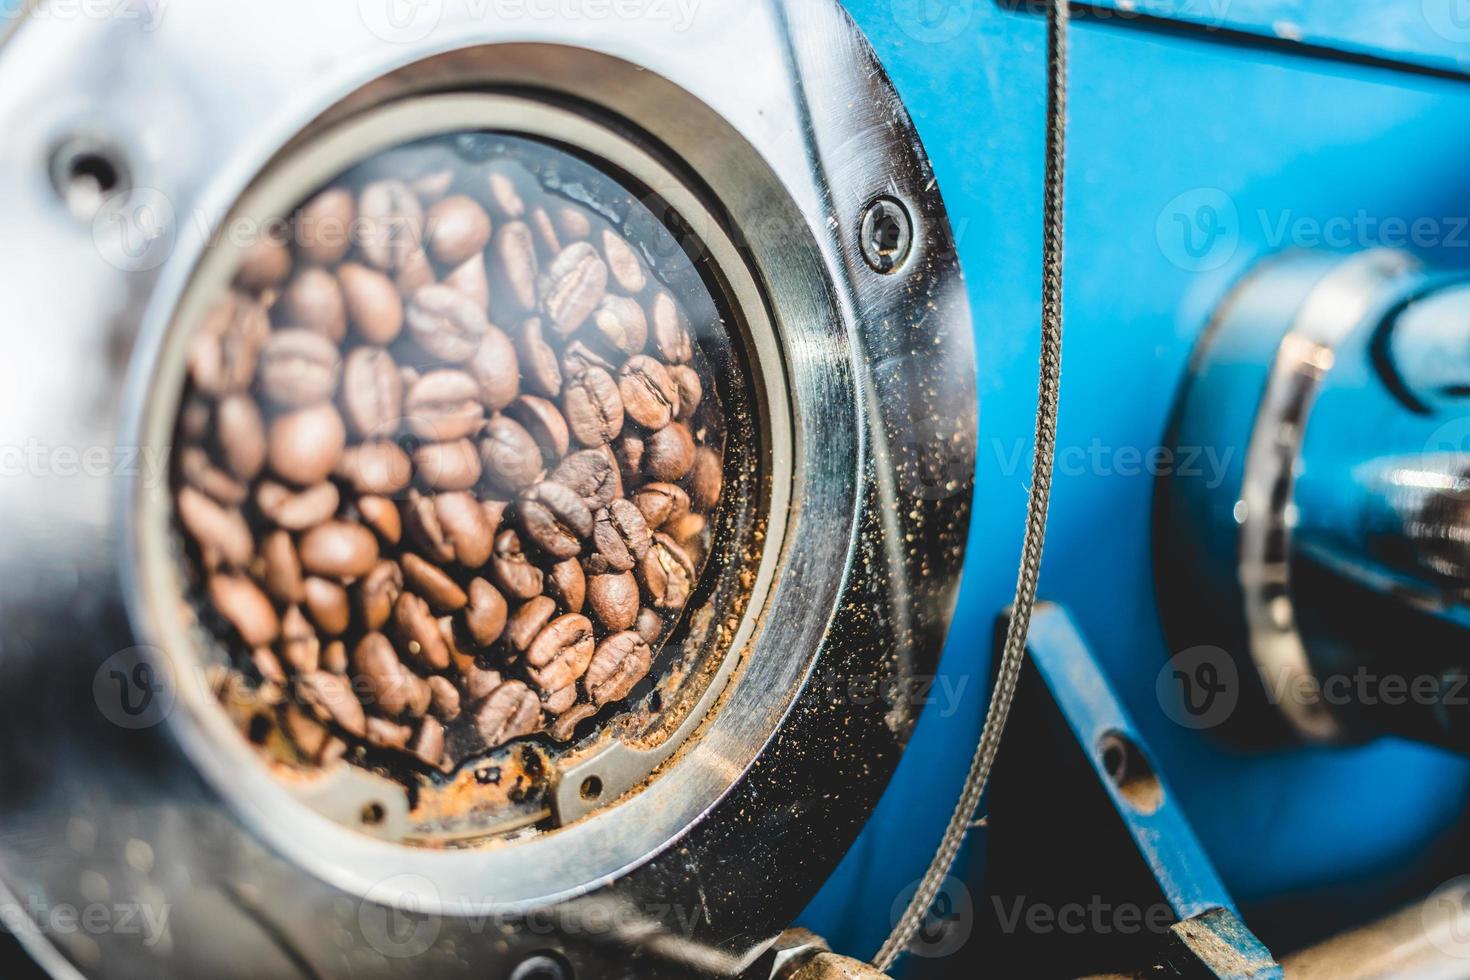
x: 887, y: 235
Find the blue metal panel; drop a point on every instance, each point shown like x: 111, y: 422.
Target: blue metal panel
x: 1249, y: 150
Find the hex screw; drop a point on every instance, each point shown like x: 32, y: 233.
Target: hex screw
x: 887, y: 235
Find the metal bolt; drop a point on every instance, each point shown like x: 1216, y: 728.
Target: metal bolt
x: 542, y: 966
x: 887, y: 235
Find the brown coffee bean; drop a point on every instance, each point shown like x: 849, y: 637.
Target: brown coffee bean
x: 390, y: 685
x: 324, y: 226
x: 494, y: 513
x: 222, y: 535
x: 417, y: 629
x: 299, y: 367
x: 669, y: 453
x: 577, y: 357
x: 372, y: 393
x: 377, y: 592
x: 310, y: 737
x: 313, y: 301
x: 511, y: 570
x: 650, y: 396
x: 240, y: 601
x: 620, y: 324
x: 448, y: 465
x: 691, y: 389
x: 433, y: 185
x: 670, y: 330
x: 388, y: 734
x: 594, y: 407
x: 574, y: 284
x: 379, y: 468
x: 509, y: 712
x: 415, y: 273
x: 591, y: 475
x: 444, y: 405
x: 431, y: 582
x: 497, y: 368
x: 445, y: 698
x: 334, y: 657
x: 623, y: 263
x: 527, y: 622
x: 373, y: 303
x: 661, y: 502
x: 199, y: 472
x: 620, y: 535
x: 466, y: 528
x: 544, y: 422
x: 241, y: 433
x: 223, y: 354
x: 560, y: 653
x: 265, y: 264
x: 555, y: 519
x: 666, y: 573
x: 565, y: 727
x: 510, y: 454
x: 300, y: 646
x: 476, y: 681
x: 455, y: 229
x: 503, y: 194
x: 304, y: 446
x: 282, y: 579
x: 568, y: 584
x: 514, y: 257
x: 446, y: 323
x: 572, y: 222
x: 470, y: 278
x: 428, y: 744
x: 268, y: 665
x: 486, y: 614
x: 381, y: 514
x: 612, y: 599
x: 649, y: 625
x: 331, y: 699
x: 538, y: 359
x: 338, y: 549
x: 424, y: 529
x: 328, y: 604
x: 390, y: 228
x: 297, y: 510
x: 559, y: 702
x: 621, y: 661
x: 706, y: 477
x: 545, y: 231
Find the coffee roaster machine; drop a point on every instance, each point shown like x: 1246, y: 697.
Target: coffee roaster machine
x: 1238, y: 746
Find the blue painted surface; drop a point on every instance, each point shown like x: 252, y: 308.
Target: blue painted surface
x: 1253, y: 149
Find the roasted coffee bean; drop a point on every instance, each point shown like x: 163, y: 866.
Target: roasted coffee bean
x: 479, y: 682
x: 223, y: 355
x: 705, y: 479
x: 324, y: 226
x: 331, y: 700
x: 417, y: 629
x: 612, y: 598
x: 283, y: 578
x: 527, y: 622
x: 574, y: 284
x: 514, y: 253
x: 572, y: 223
x: 545, y: 231
x: 560, y: 653
x: 313, y: 301
x: 299, y: 643
x: 297, y: 510
x: 415, y: 273
x: 666, y: 573
x: 381, y: 514
x: 620, y: 535
x: 299, y: 367
x: 456, y: 228
x: 509, y: 712
x: 661, y: 502
x: 691, y: 389
x: 445, y: 703
x: 390, y: 685
x: 377, y: 592
x: 328, y: 605
x: 430, y: 581
x: 623, y: 263
x: 390, y: 228
x: 241, y: 433
x: 503, y: 194
x: 669, y: 453
x: 511, y: 571
x: 485, y: 616
x: 223, y: 537
x: 650, y: 396
x: 304, y: 446
x: 433, y: 185
x: 373, y: 303
x: 568, y: 584
x: 594, y: 407
x: 620, y: 662
x: 388, y: 734
x: 339, y: 549
x: 312, y: 740
x: 466, y: 528
x: 334, y: 657
x: 379, y: 468
x: 565, y: 727
x: 266, y: 263
x: 555, y: 519
x: 200, y: 473
x: 446, y: 323
x: 558, y: 702
x: 470, y: 278
x: 510, y: 454
x: 620, y: 324
x: 494, y: 513
x: 268, y: 665
x: 447, y: 465
x: 649, y: 625
x: 546, y: 425
x: 444, y: 405
x: 591, y: 474
x: 538, y: 359
x: 428, y: 744
x: 670, y: 330
x: 424, y: 529
x: 372, y: 393
x: 496, y: 368
x: 196, y: 413
x: 240, y: 601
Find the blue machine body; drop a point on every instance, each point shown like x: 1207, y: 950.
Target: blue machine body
x: 1201, y: 141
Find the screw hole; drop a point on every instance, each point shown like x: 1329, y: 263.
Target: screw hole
x: 260, y: 729
x: 373, y: 814
x: 543, y: 966
x: 85, y: 174
x: 1130, y: 771
x: 591, y: 788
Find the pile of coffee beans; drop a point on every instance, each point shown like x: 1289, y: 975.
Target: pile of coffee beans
x: 445, y: 465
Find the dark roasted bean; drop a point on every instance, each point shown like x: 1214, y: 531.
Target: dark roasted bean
x: 623, y: 263
x: 649, y: 625
x: 650, y: 396
x: 669, y: 453
x: 511, y: 570
x: 567, y: 583
x: 390, y: 685
x: 334, y: 657
x: 620, y: 535
x: 372, y: 393
x: 448, y: 465
x: 555, y: 519
x: 471, y: 279
x: 705, y: 479
x: 670, y: 331
x: 444, y: 405
x: 381, y: 514
x: 222, y: 357
x: 497, y: 369
x: 466, y: 528
x: 339, y: 549
x: 592, y: 475
x: 486, y: 614
x: 241, y: 434
x: 565, y: 727
x: 558, y: 702
x: 661, y: 502
x: 510, y: 455
x: 509, y: 712
x: 300, y: 646
x: 527, y: 622
x: 297, y: 510
x: 612, y: 599
x: 222, y: 534
x: 197, y: 470
x: 428, y: 743
x: 620, y: 324
x: 538, y: 359
x: 332, y: 700
x: 666, y: 573
x: 577, y: 357
x: 373, y: 304
x: 620, y: 662
x: 574, y: 284
x: 327, y: 602
x: 691, y: 390
x: 380, y: 468
x: 283, y: 578
x: 445, y: 703
x: 313, y: 300
x: 546, y: 425
x: 304, y: 446
x: 391, y: 223
x: 560, y: 653
x: 424, y: 530
x: 594, y: 407
x: 455, y: 229
x: 417, y: 629
x: 446, y: 323
x: 377, y: 593
x: 299, y: 367
x: 430, y: 581
x: 324, y: 226
x: 514, y: 251
x: 240, y: 601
